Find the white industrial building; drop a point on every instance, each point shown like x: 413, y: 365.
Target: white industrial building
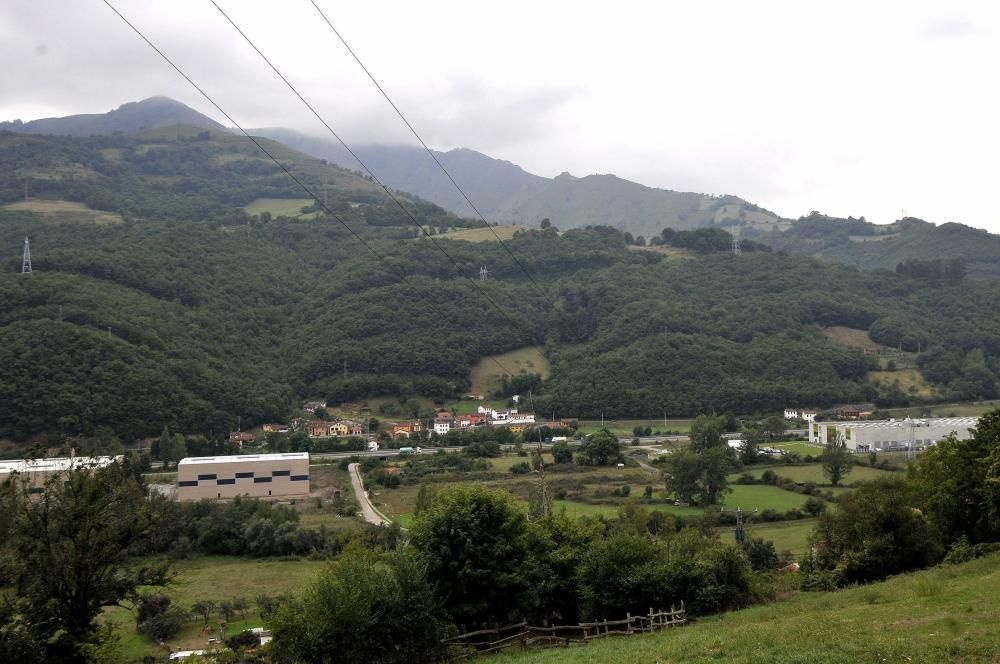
x: 259, y: 475
x: 38, y: 471
x: 865, y: 436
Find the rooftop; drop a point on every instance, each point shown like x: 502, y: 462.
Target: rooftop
x: 56, y: 464
x: 244, y: 458
x: 967, y: 422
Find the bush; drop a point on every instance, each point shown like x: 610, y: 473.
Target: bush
x: 769, y: 477
x: 157, y: 618
x: 521, y: 468
x: 814, y: 506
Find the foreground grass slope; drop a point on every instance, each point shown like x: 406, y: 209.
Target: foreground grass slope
x: 945, y: 614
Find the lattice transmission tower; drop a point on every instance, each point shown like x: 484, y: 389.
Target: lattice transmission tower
x: 26, y: 259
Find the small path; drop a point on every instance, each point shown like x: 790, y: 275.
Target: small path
x: 368, y: 511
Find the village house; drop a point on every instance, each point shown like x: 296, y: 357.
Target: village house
x: 276, y: 428
x: 469, y: 421
x: 507, y: 417
x: 443, y: 421
x: 313, y: 406
x: 240, y: 437
x: 341, y: 428
x: 318, y: 428
x: 355, y: 428
x: 404, y: 429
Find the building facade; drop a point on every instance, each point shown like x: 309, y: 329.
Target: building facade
x: 866, y: 436
x: 257, y: 475
x: 39, y: 471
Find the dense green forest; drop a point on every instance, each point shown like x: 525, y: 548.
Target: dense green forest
x: 872, y: 246
x: 214, y: 313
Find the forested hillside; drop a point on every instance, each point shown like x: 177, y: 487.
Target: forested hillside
x: 215, y: 313
x: 871, y: 246
x: 126, y: 119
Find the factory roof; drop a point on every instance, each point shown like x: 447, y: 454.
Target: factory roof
x: 967, y: 422
x: 244, y: 458
x: 55, y: 464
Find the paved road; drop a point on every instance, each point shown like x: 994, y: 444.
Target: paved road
x: 367, y: 510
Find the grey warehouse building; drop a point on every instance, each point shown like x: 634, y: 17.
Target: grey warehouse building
x: 258, y: 475
x: 865, y: 436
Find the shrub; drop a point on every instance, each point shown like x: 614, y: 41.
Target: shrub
x: 521, y: 468
x: 814, y: 506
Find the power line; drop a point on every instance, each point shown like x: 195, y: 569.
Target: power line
x: 386, y: 189
x: 431, y: 152
x: 401, y: 276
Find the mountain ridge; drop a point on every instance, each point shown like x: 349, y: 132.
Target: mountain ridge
x: 130, y: 117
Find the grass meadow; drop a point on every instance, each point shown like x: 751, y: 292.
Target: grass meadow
x: 945, y: 614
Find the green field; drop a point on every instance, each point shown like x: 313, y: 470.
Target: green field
x: 786, y: 535
x: 484, y: 234
x: 66, y: 211
x: 281, y: 207
x: 487, y: 375
x: 623, y: 428
x: 948, y: 410
x: 946, y: 614
x: 805, y: 449
x: 814, y: 473
x: 218, y: 578
x: 762, y: 497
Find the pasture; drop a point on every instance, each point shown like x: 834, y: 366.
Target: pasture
x: 217, y: 578
x: 483, y: 234
x: 944, y: 614
x: 65, y: 211
x: 281, y: 207
x: 762, y: 497
x: 487, y: 376
x: 814, y: 473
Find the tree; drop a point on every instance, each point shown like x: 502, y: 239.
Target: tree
x: 697, y: 478
x: 546, y: 223
x: 599, y: 449
x: 363, y: 608
x: 241, y: 605
x: 65, y: 552
x: 226, y: 609
x: 836, y: 461
x: 203, y: 608
x: 875, y: 532
x: 488, y: 574
x: 956, y: 483
x: 706, y: 432
x: 773, y: 427
x: 561, y: 452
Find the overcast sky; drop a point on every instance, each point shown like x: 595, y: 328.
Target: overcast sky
x: 850, y: 108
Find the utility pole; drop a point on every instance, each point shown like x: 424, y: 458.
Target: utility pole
x: 740, y: 530
x: 737, y: 249
x: 26, y: 258
x: 109, y: 333
x: 345, y: 369
x: 483, y: 273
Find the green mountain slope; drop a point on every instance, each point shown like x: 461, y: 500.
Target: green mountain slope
x: 507, y: 194
x: 872, y: 246
x: 215, y: 313
x: 946, y: 614
x: 126, y: 119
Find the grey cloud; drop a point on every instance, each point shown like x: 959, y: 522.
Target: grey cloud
x: 949, y: 27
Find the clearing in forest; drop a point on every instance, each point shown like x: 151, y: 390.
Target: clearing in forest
x: 281, y: 207
x: 66, y: 211
x: 484, y: 234
x: 487, y: 377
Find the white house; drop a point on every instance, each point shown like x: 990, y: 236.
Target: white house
x: 791, y: 413
x: 441, y: 427
x: 809, y: 415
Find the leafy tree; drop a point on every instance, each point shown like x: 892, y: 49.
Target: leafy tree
x: 65, y: 551
x: 955, y: 483
x: 488, y: 574
x: 599, y: 449
x: 226, y: 609
x: 697, y: 478
x: 561, y: 452
x: 204, y: 608
x: 706, y: 432
x: 837, y: 461
x: 241, y: 605
x: 344, y: 615
x: 875, y: 533
x: 774, y: 427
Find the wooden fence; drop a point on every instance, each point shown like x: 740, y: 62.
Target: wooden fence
x: 523, y: 635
